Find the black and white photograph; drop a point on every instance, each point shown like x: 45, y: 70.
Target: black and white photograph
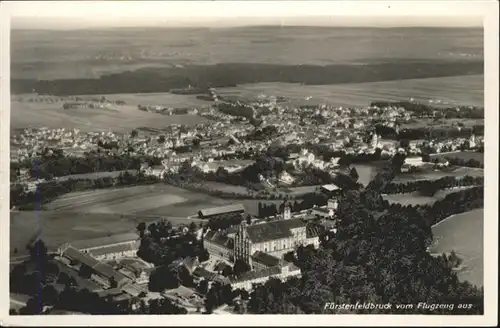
x: 237, y: 163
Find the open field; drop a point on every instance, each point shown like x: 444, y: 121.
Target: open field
x: 224, y: 187
x: 435, y: 175
x: 150, y: 200
x: 463, y: 233
x: 57, y: 228
x: 95, y: 175
x: 118, y: 200
x: 90, y: 54
x: 465, y: 155
x: 423, y: 123
x: 366, y: 173
x: 118, y: 119
x: 163, y: 99
x: 297, y: 191
x: 456, y: 90
x: 415, y: 198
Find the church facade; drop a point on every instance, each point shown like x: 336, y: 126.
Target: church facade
x: 275, y: 238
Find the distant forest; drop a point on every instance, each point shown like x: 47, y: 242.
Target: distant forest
x: 149, y: 80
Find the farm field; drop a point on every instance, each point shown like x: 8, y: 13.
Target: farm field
x: 434, y: 175
x: 465, y: 155
x: 128, y: 200
x: 415, y: 198
x: 164, y: 99
x: 463, y: 233
x: 120, y: 119
x: 94, y: 175
x: 422, y: 123
x: 296, y: 191
x: 223, y: 187
x: 59, y: 227
x: 366, y: 173
x: 457, y: 90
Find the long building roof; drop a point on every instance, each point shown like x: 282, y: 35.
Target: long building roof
x: 104, y: 241
x: 127, y: 246
x: 102, y: 269
x: 266, y: 259
x: 252, y: 275
x: 219, y: 239
x: 279, y: 229
x: 222, y: 210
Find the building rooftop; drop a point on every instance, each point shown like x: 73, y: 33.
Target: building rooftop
x: 127, y: 246
x: 273, y: 230
x: 101, y: 268
x: 313, y: 231
x: 222, y: 210
x: 252, y: 275
x: 266, y: 259
x: 104, y: 241
x: 219, y: 239
x: 330, y: 187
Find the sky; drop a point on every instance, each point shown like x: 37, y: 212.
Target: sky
x: 87, y: 14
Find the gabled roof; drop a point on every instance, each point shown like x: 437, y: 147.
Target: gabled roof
x: 101, y: 268
x: 219, y: 239
x: 330, y: 187
x: 222, y: 210
x: 266, y: 259
x: 273, y: 230
x: 252, y: 275
x: 313, y: 231
x: 128, y: 246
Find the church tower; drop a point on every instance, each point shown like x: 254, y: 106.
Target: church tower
x: 242, y: 244
x: 287, y: 213
x: 472, y: 141
x: 374, y: 142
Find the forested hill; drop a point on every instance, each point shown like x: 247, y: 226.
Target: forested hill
x: 150, y: 80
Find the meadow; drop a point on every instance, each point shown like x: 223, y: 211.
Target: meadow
x: 128, y: 200
x: 463, y: 233
x: 435, y: 175
x: 464, y: 155
x: 415, y: 198
x: 57, y: 227
x: 123, y: 118
x: 456, y: 90
x: 90, y: 54
x: 159, y: 200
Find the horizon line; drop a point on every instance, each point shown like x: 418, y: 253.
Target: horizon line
x: 191, y: 27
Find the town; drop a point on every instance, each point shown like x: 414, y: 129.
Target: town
x: 266, y: 150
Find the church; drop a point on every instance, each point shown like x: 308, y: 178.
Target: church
x: 274, y: 238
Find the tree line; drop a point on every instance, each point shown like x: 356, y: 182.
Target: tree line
x: 379, y: 255
x: 430, y: 187
x: 48, y: 191
x: 456, y: 161
x: 309, y: 201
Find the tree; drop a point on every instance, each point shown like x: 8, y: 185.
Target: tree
x: 192, y: 227
x: 354, y: 174
x: 203, y: 256
x: 227, y: 271
x: 134, y: 133
x: 141, y: 228
x: 202, y: 286
x: 49, y: 295
x: 404, y: 143
x: 38, y: 251
x: 161, y: 139
x: 211, y: 300
x: 249, y: 219
x: 240, y: 267
x: 85, y: 271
